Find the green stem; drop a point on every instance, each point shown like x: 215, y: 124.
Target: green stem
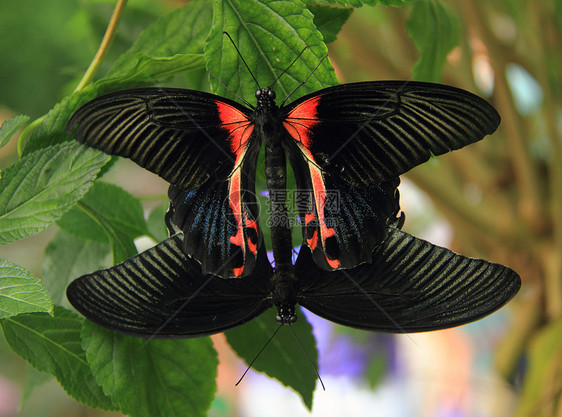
x: 104, y: 46
x: 525, y: 170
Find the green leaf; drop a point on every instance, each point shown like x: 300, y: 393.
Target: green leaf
x: 147, y: 378
x: 359, y: 3
x: 545, y: 368
x: 52, y: 344
x: 156, y: 224
x: 39, y: 188
x: 121, y: 246
x: 182, y: 31
x: 283, y: 358
x: 10, y: 127
x: 269, y: 35
x: 107, y: 214
x: 20, y: 291
x: 148, y: 70
x: 171, y: 44
x: 68, y: 257
x: 50, y: 129
x: 435, y: 30
x: 329, y: 20
x: 33, y: 33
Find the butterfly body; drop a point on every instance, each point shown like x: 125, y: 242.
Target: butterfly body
x: 268, y: 121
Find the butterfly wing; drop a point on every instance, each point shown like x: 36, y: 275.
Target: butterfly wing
x: 371, y: 132
x: 411, y: 286
x: 162, y: 293
x: 196, y: 141
x: 342, y: 224
x: 220, y: 228
x: 363, y: 135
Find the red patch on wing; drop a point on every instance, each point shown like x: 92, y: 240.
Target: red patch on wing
x: 300, y: 121
x: 312, y: 241
x: 325, y: 231
x: 240, y: 129
x: 251, y: 224
x: 320, y: 194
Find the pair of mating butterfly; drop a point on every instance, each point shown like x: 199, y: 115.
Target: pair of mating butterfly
x: 355, y: 267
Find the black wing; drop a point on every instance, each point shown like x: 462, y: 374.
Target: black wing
x: 371, y: 132
x: 195, y: 141
x: 176, y: 133
x: 162, y: 293
x: 342, y: 224
x: 225, y: 239
x: 411, y: 286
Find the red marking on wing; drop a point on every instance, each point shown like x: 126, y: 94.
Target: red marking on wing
x: 235, y: 205
x: 238, y: 271
x: 251, y: 224
x: 240, y: 129
x: 320, y: 194
x: 334, y: 263
x: 300, y: 121
x: 241, y: 239
x: 312, y: 241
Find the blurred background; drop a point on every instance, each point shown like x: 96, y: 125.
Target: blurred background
x: 500, y: 199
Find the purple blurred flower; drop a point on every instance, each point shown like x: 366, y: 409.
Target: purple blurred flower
x: 342, y: 354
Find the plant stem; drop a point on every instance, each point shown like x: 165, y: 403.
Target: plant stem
x: 543, y: 48
x: 104, y: 46
x: 525, y: 171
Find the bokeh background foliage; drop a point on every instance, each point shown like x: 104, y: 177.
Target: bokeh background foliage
x: 502, y: 197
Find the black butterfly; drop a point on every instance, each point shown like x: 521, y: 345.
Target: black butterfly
x: 411, y: 286
x: 352, y: 138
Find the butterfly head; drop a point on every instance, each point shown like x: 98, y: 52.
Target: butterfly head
x: 265, y: 97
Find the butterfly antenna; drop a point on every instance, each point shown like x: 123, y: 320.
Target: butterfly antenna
x: 242, y: 58
x: 303, y: 81
x: 290, y: 65
x: 308, y: 357
x: 258, y: 355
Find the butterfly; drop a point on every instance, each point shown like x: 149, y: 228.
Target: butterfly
x: 352, y: 140
x: 410, y: 286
